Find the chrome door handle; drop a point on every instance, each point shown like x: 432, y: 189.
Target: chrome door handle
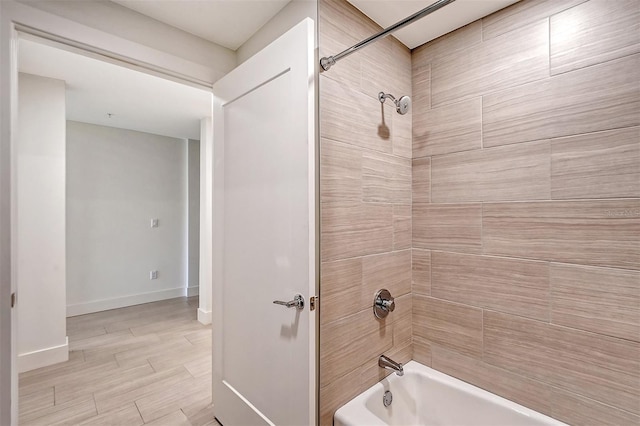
x: 297, y: 302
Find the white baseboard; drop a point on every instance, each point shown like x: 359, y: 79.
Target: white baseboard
x: 204, y: 316
x: 121, y: 302
x: 43, y: 357
x: 193, y: 291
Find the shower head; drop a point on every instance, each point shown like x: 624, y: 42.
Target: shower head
x: 402, y: 105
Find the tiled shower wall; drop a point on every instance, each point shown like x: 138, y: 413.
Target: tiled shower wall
x: 365, y: 206
x: 526, y: 207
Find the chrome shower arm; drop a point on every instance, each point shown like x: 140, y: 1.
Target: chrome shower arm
x: 402, y: 105
x: 383, y: 97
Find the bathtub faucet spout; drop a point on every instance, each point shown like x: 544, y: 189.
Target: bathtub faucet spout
x: 389, y: 364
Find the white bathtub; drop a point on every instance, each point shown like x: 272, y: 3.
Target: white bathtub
x: 427, y: 397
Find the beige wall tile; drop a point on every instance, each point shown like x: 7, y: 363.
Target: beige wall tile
x: 389, y: 270
x: 349, y: 342
x: 340, y: 289
x: 504, y: 61
x: 404, y: 307
x: 566, y: 104
x: 607, y: 30
x: 401, y: 132
x: 514, y: 286
x: 596, y: 165
x: 341, y: 26
x: 338, y: 393
x: 385, y: 75
x: 350, y: 173
x: 372, y: 373
x: 601, y: 300
x: 514, y: 172
x: 454, y: 326
x: 448, y: 128
x: 421, y: 176
x: 403, y: 326
x: 580, y: 411
x: 599, y: 233
x: 355, y: 229
x: 346, y: 16
x: 421, y: 351
x: 424, y: 55
x: 336, y: 39
x: 386, y: 178
x: 595, y: 366
x: 582, y: 168
x: 401, y: 145
x: 340, y: 171
x: 421, y: 272
x: 450, y: 44
x: 455, y: 227
x: 366, y: 201
x: 521, y: 13
x: 349, y: 116
x: 522, y: 390
x: 401, y: 58
x: 420, y: 85
x: 401, y: 227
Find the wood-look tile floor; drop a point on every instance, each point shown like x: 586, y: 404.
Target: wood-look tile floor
x: 146, y: 364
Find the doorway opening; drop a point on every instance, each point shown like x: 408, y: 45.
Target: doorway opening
x: 106, y: 235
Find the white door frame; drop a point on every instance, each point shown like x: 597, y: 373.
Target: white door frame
x: 75, y: 36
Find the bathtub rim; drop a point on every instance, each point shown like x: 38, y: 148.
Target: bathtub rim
x: 356, y: 406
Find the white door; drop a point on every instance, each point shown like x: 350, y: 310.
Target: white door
x: 264, y: 231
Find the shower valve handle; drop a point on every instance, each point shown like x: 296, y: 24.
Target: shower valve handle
x: 383, y: 303
x: 389, y: 305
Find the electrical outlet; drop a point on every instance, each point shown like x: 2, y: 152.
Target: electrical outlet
x: 154, y: 223
x: 153, y: 275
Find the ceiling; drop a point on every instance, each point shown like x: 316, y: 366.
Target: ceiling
x: 442, y: 21
x: 228, y: 23
x: 137, y: 101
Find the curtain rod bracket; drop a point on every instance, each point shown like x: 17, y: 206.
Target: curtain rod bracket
x: 328, y: 61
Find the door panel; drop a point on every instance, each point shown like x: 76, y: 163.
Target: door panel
x: 264, y: 236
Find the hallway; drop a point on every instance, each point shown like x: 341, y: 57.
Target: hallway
x: 145, y: 364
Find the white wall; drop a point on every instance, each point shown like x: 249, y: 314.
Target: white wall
x: 117, y: 181
x: 131, y: 25
x: 206, y: 221
x: 40, y: 222
x: 193, y: 275
x: 287, y: 18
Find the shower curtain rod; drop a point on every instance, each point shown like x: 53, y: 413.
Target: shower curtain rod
x: 327, y: 62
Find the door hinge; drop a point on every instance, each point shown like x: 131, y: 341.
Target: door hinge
x: 13, y: 299
x: 312, y: 302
